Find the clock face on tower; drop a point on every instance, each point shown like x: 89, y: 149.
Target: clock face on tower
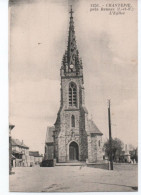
x: 71, y: 66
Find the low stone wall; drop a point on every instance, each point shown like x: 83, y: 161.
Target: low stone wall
x: 124, y: 166
x: 116, y: 166
x: 100, y: 166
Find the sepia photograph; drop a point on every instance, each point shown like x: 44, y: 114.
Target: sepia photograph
x: 73, y: 95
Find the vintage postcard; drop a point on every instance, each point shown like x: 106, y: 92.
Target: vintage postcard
x: 73, y: 95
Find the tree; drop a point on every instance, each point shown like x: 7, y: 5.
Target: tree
x: 117, y: 146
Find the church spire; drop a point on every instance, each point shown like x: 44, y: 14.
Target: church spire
x: 71, y: 12
x: 71, y: 61
x: 72, y: 48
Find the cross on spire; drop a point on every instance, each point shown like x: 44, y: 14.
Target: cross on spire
x: 71, y: 12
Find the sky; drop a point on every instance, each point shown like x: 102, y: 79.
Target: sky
x: 107, y: 44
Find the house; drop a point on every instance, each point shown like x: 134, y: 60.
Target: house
x: 20, y: 154
x: 11, y: 157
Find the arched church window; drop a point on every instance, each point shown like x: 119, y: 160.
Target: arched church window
x: 73, y: 121
x: 72, y: 94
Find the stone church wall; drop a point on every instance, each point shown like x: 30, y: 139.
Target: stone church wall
x: 83, y: 136
x: 61, y: 149
x: 94, y: 150
x: 69, y: 134
x: 49, y: 151
x: 99, y: 148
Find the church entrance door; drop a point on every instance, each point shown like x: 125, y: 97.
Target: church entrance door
x: 73, y: 151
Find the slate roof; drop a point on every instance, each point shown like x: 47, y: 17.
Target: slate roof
x: 34, y: 153
x: 16, y: 142
x: 93, y: 129
x: 16, y: 152
x: 49, y: 134
x: 85, y: 109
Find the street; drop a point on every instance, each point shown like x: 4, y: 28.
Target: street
x: 74, y: 179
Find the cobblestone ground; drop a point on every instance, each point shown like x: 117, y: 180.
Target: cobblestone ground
x: 74, y: 179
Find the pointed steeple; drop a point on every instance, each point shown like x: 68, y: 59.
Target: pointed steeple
x: 71, y: 61
x: 72, y: 48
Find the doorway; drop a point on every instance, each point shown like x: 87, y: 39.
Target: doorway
x: 73, y: 151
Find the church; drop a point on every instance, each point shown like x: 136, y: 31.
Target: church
x: 73, y: 137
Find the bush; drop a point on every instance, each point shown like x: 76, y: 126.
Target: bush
x: 47, y: 163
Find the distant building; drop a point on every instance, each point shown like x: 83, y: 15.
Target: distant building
x: 134, y: 155
x: 124, y: 156
x: 21, y: 153
x: 10, y: 148
x: 73, y: 137
x: 35, y: 158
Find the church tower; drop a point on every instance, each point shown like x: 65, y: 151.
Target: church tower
x: 70, y: 127
x: 75, y: 138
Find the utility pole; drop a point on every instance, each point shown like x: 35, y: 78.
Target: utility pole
x: 110, y: 137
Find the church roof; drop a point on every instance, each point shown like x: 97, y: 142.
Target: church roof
x: 85, y: 109
x: 49, y: 134
x: 93, y: 129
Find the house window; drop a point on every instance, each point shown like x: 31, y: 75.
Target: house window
x: 99, y: 143
x: 72, y: 94
x: 73, y: 121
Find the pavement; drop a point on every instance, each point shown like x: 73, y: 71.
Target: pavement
x: 74, y: 179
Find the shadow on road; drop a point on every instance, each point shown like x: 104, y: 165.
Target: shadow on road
x: 132, y: 187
